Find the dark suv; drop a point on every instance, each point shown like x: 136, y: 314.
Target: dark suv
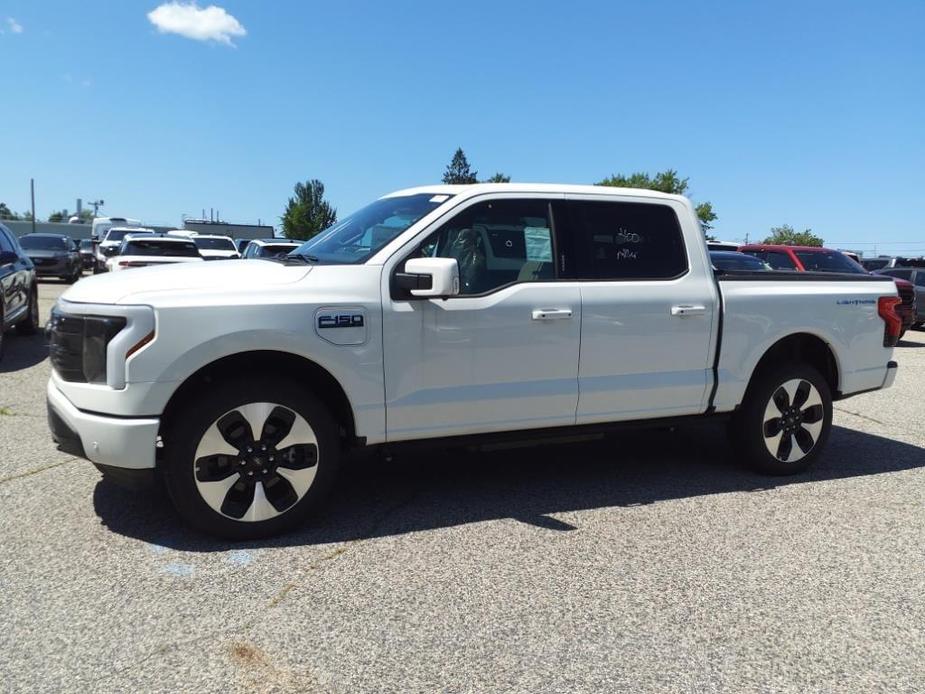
x: 19, y: 296
x: 53, y: 255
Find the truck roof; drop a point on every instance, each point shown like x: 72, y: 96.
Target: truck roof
x: 480, y: 188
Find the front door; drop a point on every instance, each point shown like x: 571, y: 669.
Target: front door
x: 503, y: 355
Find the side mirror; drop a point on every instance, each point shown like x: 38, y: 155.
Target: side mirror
x: 8, y: 257
x: 430, y: 277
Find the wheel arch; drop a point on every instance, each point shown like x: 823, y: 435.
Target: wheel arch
x: 801, y: 347
x: 268, y: 362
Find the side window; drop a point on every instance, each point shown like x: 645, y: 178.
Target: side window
x: 780, y: 261
x: 6, y: 243
x: 625, y: 240
x: 901, y: 274
x: 920, y: 278
x: 496, y: 243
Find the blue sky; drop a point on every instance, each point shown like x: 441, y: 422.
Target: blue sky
x: 809, y: 113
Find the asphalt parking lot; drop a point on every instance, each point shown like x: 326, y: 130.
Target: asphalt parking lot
x: 646, y: 562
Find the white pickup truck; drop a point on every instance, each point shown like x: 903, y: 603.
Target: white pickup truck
x: 463, y: 313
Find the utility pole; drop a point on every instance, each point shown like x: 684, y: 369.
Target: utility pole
x: 96, y: 205
x: 32, y: 191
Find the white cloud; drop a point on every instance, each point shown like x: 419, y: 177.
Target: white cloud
x: 198, y: 23
x: 13, y: 25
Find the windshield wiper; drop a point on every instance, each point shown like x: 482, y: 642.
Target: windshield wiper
x: 303, y: 258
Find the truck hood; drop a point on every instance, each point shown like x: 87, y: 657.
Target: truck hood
x: 120, y: 287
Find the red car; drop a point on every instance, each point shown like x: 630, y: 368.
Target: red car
x: 818, y: 259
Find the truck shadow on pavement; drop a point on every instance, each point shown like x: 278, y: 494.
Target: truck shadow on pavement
x: 445, y: 488
x: 22, y: 351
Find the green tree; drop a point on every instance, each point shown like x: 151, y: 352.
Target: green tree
x: 666, y: 182
x: 786, y: 234
x: 458, y: 171
x: 7, y: 213
x: 498, y: 178
x: 61, y: 216
x: 307, y: 212
x: 86, y: 216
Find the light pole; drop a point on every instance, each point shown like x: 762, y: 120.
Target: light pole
x: 96, y: 205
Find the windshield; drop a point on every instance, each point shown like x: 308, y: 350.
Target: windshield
x: 158, y: 247
x: 737, y: 261
x: 215, y: 244
x: 828, y: 261
x: 43, y: 243
x: 356, y: 238
x: 274, y: 250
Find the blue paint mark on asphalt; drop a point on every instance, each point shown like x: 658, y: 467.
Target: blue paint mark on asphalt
x: 238, y: 557
x: 156, y: 549
x: 181, y: 570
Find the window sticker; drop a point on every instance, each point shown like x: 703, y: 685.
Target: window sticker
x: 538, y: 241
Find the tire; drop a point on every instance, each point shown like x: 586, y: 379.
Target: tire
x: 769, y: 407
x: 30, y: 324
x: 237, y: 491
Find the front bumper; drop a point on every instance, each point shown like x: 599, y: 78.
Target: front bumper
x: 118, y: 442
x: 50, y: 266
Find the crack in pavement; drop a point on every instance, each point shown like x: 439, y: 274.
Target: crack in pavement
x: 29, y: 473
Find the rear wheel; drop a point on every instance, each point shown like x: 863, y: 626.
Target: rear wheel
x: 30, y: 324
x: 251, y: 459
x: 785, y: 421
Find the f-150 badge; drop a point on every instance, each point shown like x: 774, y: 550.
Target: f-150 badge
x: 340, y: 320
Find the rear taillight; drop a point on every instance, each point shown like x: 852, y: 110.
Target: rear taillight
x: 893, y: 324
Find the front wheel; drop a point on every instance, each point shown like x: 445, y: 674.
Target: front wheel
x: 785, y: 421
x: 251, y: 459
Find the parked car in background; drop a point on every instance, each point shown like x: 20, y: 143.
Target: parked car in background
x: 270, y: 248
x: 101, y: 225
x: 874, y: 264
x: 733, y: 260
x: 110, y: 244
x: 915, y: 275
x: 145, y: 250
x: 241, y: 244
x: 216, y: 247
x: 444, y: 312
x: 87, y: 253
x: 908, y: 307
x: 820, y: 259
x: 53, y: 255
x: 19, y: 294
x: 802, y: 258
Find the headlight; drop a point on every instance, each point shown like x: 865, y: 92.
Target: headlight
x: 92, y: 343
x: 77, y: 345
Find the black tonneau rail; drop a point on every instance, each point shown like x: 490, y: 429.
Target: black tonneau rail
x: 792, y: 276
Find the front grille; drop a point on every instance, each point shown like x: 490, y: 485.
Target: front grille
x: 77, y: 345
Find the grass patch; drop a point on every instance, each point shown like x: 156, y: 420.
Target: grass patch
x: 6, y: 411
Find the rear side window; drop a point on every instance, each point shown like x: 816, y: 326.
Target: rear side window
x: 624, y: 240
x: 920, y: 278
x: 776, y: 259
x: 901, y: 274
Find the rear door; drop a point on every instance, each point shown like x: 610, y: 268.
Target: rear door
x: 647, y: 315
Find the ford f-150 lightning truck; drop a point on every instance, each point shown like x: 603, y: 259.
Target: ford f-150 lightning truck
x: 463, y: 313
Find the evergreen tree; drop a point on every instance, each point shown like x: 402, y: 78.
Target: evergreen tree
x: 307, y: 213
x: 458, y: 170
